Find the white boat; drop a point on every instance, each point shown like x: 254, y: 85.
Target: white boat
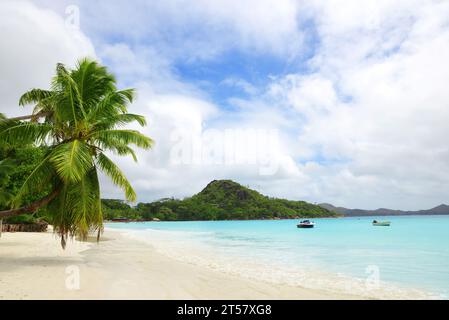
x: 306, y: 224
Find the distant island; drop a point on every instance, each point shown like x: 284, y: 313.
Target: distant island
x: 219, y: 200
x: 439, y: 210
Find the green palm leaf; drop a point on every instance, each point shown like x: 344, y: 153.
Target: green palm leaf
x: 36, y: 181
x: 17, y: 133
x: 72, y: 160
x: 93, y: 80
x: 124, y: 137
x: 116, y: 147
x: 60, y: 215
x: 111, y: 104
x: 35, y: 96
x: 84, y: 204
x: 5, y: 197
x: 116, y: 175
x: 119, y: 120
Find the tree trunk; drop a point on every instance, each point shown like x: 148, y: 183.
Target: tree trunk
x: 1, y: 227
x: 26, y: 227
x: 30, y: 208
x: 32, y: 117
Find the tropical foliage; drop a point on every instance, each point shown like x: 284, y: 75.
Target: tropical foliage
x: 5, y: 196
x: 17, y: 164
x: 77, y: 121
x: 12, y: 175
x: 221, y: 200
x: 113, y: 208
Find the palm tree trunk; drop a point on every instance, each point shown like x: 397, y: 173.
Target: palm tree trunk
x: 33, y: 117
x: 30, y: 208
x: 1, y: 227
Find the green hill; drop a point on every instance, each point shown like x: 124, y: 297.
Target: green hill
x: 226, y: 200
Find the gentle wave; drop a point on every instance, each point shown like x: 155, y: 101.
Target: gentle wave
x: 191, y: 247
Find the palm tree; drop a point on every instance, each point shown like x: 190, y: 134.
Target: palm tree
x: 79, y: 119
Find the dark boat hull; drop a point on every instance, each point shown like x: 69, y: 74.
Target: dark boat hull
x: 305, y: 226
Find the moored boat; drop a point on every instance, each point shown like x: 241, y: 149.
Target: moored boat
x: 306, y: 224
x: 381, y: 223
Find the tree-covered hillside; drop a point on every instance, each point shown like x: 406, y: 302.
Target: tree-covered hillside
x: 221, y: 200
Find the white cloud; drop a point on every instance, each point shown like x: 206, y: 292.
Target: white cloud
x: 311, y: 95
x: 364, y: 126
x: 186, y: 30
x: 33, y: 41
x: 197, y: 127
x: 242, y: 84
x: 380, y: 78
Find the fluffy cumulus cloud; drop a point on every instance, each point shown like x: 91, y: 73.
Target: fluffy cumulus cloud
x: 356, y: 116
x: 33, y: 40
x: 375, y: 102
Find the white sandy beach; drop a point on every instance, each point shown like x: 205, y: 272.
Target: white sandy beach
x: 34, y: 266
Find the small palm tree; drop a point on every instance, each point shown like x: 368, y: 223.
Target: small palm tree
x: 79, y: 119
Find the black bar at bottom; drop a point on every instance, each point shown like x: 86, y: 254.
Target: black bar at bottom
x: 266, y: 309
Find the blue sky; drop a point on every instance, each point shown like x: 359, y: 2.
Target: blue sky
x: 324, y: 101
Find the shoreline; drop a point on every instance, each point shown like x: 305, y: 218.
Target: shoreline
x: 277, y: 219
x: 299, y: 218
x: 34, y: 266
x: 182, y: 249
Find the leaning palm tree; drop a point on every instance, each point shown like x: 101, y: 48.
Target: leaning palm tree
x: 79, y: 119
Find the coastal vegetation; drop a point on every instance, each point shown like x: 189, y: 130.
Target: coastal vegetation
x: 50, y: 162
x: 219, y: 200
x: 16, y: 164
x: 72, y: 127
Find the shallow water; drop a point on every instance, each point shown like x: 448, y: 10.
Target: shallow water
x: 409, y: 259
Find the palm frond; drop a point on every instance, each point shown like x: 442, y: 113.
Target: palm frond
x: 121, y: 120
x: 94, y: 216
x: 35, y: 96
x: 36, y: 181
x: 68, y: 102
x: 114, y: 102
x: 77, y: 209
x: 97, y: 213
x: 83, y: 200
x: 126, y: 137
x: 5, y: 197
x: 72, y: 160
x: 116, y: 147
x: 60, y: 216
x: 116, y: 175
x: 5, y: 166
x: 93, y: 81
x: 18, y: 133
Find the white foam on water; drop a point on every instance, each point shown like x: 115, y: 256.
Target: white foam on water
x: 191, y: 247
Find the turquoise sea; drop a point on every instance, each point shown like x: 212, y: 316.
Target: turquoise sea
x: 408, y: 260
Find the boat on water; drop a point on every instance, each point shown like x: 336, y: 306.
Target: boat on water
x: 306, y: 224
x: 381, y: 223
